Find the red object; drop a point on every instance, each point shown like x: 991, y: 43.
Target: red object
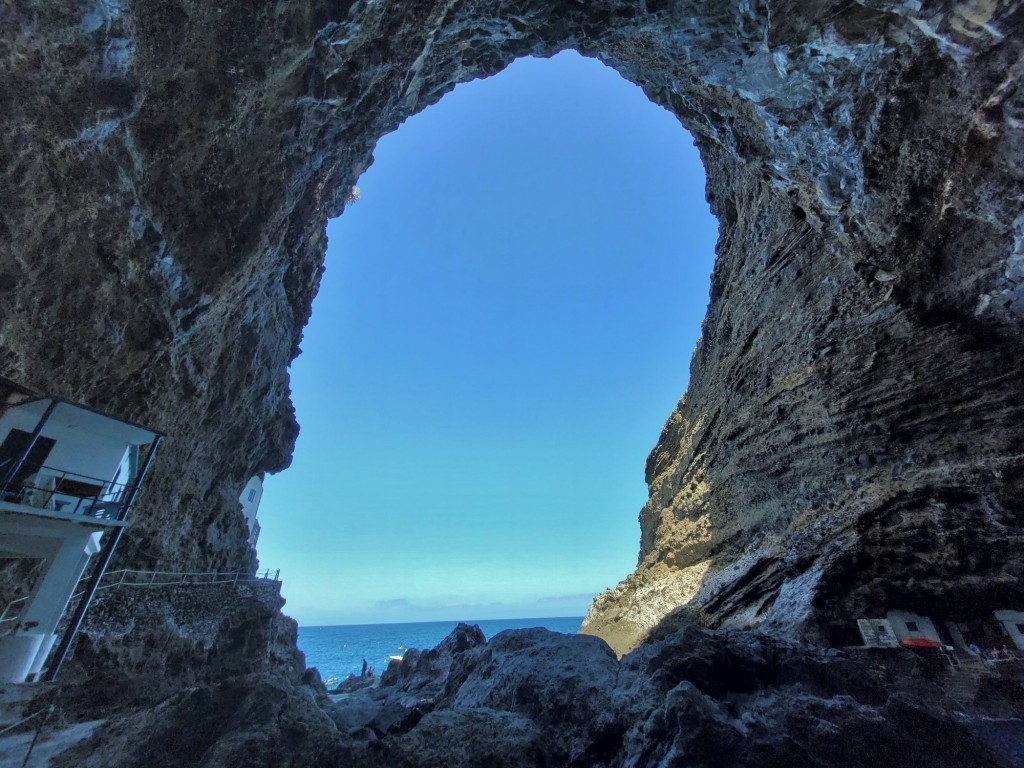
x: 919, y: 642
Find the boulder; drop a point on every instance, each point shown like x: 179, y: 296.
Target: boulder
x: 538, y: 698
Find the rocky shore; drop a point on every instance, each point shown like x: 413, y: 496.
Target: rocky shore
x: 139, y: 646
x: 527, y: 698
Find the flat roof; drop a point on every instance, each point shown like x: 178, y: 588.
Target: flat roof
x: 73, y: 415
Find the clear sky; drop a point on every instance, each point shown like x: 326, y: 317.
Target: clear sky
x: 506, y: 322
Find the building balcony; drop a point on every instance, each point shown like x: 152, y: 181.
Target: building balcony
x: 65, y: 461
x: 38, y: 489
x: 68, y: 475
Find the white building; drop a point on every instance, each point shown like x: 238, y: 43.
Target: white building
x: 68, y: 477
x: 250, y: 501
x: 908, y: 625
x: 1013, y: 625
x: 877, y: 633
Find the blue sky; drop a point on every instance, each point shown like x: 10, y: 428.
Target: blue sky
x: 505, y: 323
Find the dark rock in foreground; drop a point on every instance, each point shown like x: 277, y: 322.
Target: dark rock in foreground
x: 538, y: 698
x: 140, y: 646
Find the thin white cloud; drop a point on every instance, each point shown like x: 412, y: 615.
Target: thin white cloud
x: 401, y: 602
x: 565, y: 598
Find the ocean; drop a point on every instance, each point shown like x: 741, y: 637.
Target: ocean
x: 339, y: 650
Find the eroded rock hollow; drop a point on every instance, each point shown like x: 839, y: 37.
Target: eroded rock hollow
x: 851, y: 439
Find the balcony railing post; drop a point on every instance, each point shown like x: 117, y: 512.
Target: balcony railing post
x: 122, y: 513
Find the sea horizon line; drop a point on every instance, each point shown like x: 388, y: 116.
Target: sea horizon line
x: 435, y: 621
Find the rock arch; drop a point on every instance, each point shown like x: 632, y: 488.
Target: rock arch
x: 851, y: 435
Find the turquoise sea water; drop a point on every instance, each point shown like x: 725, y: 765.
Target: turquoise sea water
x: 339, y: 650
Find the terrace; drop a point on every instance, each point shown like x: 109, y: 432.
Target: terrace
x: 68, y: 478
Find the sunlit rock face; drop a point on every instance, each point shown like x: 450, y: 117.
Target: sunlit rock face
x: 851, y: 438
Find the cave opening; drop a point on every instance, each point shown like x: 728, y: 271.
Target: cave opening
x: 848, y: 445
x: 505, y: 322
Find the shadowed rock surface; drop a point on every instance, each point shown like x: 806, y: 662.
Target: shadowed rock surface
x: 140, y: 645
x: 851, y: 438
x: 536, y: 698
x: 853, y: 420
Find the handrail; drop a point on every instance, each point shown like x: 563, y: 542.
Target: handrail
x: 194, y: 577
x: 14, y: 617
x: 123, y: 578
x: 44, y: 486
x: 48, y: 710
x: 68, y: 472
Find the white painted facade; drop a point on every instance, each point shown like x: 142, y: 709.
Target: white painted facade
x: 250, y: 499
x: 1013, y: 623
x: 877, y: 633
x: 66, y: 549
x: 58, y: 510
x: 85, y: 443
x: 907, y: 625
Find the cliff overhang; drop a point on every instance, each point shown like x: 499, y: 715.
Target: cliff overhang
x: 850, y: 440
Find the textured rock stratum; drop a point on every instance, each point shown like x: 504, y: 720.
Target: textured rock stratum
x: 851, y: 435
x: 851, y: 438
x: 139, y: 645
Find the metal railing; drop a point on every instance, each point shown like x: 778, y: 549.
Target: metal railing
x: 132, y: 578
x: 12, y: 617
x: 958, y: 659
x: 61, y: 490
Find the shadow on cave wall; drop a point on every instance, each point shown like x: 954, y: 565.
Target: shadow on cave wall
x: 823, y: 385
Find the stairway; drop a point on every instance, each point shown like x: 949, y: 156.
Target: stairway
x: 963, y: 680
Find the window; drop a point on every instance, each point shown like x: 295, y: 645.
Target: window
x: 912, y: 626
x: 1020, y: 628
x: 252, y: 494
x: 14, y: 446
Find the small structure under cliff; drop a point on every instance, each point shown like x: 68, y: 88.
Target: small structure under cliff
x: 68, y: 478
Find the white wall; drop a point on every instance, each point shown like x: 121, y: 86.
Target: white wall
x: 123, y: 475
x: 67, y: 547
x: 75, y: 450
x: 877, y: 633
x: 925, y: 628
x: 1011, y: 620
x: 250, y: 506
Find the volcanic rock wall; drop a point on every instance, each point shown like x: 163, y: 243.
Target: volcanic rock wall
x: 530, y: 698
x: 851, y: 436
x: 141, y: 644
